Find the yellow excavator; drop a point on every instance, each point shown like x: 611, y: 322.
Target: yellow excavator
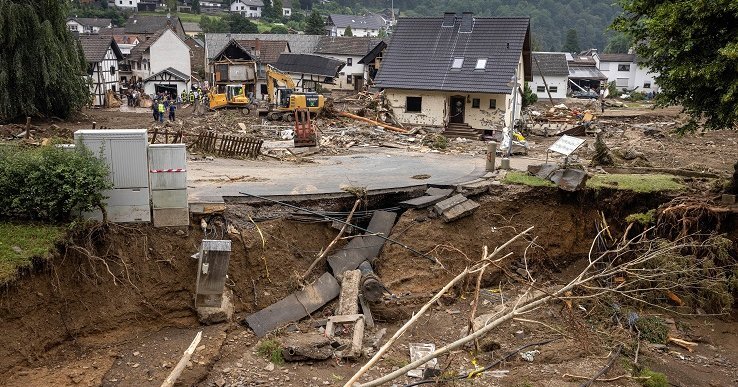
x: 231, y: 96
x: 284, y: 100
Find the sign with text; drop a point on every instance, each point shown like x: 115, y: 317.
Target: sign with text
x: 566, y: 145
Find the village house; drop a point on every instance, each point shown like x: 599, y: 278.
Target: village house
x: 349, y: 50
x: 127, y: 4
x: 85, y: 25
x: 457, y: 71
x: 102, y: 56
x: 372, y: 61
x: 310, y: 72
x: 627, y: 73
x: 584, y: 76
x: 192, y: 29
x: 248, y: 8
x: 147, y: 25
x: 550, y: 69
x: 287, y: 8
x: 162, y: 63
x: 368, y: 25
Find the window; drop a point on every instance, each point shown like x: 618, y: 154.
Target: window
x: 540, y: 89
x: 475, y: 103
x: 481, y: 64
x: 553, y: 89
x: 130, y: 2
x: 414, y: 104
x: 646, y: 85
x: 251, y: 8
x: 623, y: 67
x: 349, y: 61
x: 458, y: 62
x: 112, y: 70
x: 621, y: 82
x: 493, y: 104
x: 349, y: 79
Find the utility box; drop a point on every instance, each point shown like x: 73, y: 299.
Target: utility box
x: 212, y: 268
x: 125, y: 153
x: 168, y: 178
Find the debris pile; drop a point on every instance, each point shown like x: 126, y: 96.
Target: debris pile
x: 561, y: 119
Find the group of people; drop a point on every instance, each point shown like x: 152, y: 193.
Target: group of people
x: 161, y: 106
x: 165, y: 102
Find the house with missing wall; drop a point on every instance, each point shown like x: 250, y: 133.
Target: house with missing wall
x: 457, y: 71
x: 372, y: 61
x: 550, y: 69
x: 162, y: 63
x: 349, y: 50
x: 310, y: 72
x: 102, y: 56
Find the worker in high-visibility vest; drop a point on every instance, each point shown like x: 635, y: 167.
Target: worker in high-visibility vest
x: 162, y: 109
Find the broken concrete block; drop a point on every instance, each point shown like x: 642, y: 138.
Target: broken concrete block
x: 475, y: 188
x: 433, y: 191
x: 357, y: 334
x: 422, y: 201
x: 459, y: 211
x: 306, y: 346
x: 542, y: 170
x: 570, y: 179
x: 349, y: 298
x: 209, y: 315
x: 444, y: 205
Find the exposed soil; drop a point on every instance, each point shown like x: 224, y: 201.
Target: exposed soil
x: 72, y: 322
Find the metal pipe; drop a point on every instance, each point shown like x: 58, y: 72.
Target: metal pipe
x: 404, y: 246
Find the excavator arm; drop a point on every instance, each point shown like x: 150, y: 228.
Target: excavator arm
x: 274, y: 76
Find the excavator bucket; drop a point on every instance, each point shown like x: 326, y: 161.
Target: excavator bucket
x: 304, y: 133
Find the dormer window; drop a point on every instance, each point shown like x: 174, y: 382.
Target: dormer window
x: 481, y: 64
x: 458, y: 62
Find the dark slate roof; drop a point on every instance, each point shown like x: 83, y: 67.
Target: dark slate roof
x: 92, y: 21
x: 95, y: 47
x: 630, y: 58
x: 251, y: 3
x: 286, y: 3
x: 191, y: 27
x: 300, y: 44
x: 309, y: 64
x: 374, y: 53
x: 151, y: 24
x: 346, y: 45
x: 421, y: 53
x: 550, y: 63
x: 175, y: 73
x: 372, y: 22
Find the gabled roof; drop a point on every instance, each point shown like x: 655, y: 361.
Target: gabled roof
x: 550, y: 64
x: 374, y: 53
x: 422, y: 51
x: 630, y: 58
x: 286, y: 3
x: 96, y: 46
x: 234, y: 51
x: 346, y: 45
x: 581, y: 60
x: 151, y: 24
x: 174, y: 72
x: 251, y: 3
x: 266, y: 51
x: 191, y: 27
x: 301, y: 44
x: 309, y: 64
x: 92, y: 21
x: 125, y: 39
x: 138, y: 51
x: 371, y: 22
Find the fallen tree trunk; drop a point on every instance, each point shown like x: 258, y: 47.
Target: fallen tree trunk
x: 370, y: 121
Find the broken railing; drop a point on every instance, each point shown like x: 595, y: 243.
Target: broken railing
x: 227, y: 145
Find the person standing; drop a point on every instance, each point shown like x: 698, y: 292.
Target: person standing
x: 155, y: 111
x: 162, y: 109
x: 172, y: 108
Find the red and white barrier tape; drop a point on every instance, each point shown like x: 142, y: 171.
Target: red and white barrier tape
x: 167, y: 170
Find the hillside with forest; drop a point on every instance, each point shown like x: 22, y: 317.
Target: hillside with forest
x: 551, y: 20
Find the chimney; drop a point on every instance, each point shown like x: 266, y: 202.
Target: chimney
x: 467, y: 22
x: 257, y: 48
x: 449, y: 18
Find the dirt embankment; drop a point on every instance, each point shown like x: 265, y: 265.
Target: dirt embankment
x: 140, y: 279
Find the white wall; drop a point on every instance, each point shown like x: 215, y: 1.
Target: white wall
x: 170, y: 51
x: 245, y: 10
x: 435, y: 108
x: 127, y: 3
x: 286, y: 11
x: 643, y: 77
x: 358, y: 32
x: 102, y: 79
x: 355, y: 69
x: 559, y: 82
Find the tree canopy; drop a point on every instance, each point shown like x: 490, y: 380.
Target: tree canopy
x: 693, y: 46
x: 348, y: 31
x: 572, y: 42
x: 315, y: 24
x: 42, y: 67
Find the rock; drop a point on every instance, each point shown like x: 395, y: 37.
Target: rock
x: 214, y: 315
x: 306, y: 346
x: 17, y: 249
x: 135, y: 365
x: 269, y: 367
x: 136, y: 353
x: 180, y: 232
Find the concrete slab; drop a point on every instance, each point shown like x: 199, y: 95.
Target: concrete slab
x: 474, y: 188
x: 295, y: 306
x: 444, y: 205
x: 214, y: 315
x: 460, y: 210
x: 364, y: 248
x: 433, y: 191
x: 422, y: 201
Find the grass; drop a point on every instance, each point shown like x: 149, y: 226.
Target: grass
x: 523, y: 178
x: 271, y: 350
x: 185, y: 17
x: 636, y: 182
x: 644, y: 218
x: 20, y: 243
x: 655, y: 379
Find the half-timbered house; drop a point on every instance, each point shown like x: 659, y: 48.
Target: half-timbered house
x: 102, y: 55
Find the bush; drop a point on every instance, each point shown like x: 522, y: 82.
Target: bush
x: 271, y: 350
x: 529, y: 97
x: 49, y: 183
x: 613, y: 91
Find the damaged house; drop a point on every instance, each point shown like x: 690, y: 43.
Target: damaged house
x: 457, y: 71
x: 102, y: 56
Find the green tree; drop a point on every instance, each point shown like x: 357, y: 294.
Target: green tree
x: 348, y: 31
x: 382, y: 33
x: 270, y: 11
x: 215, y: 24
x: 238, y: 24
x: 618, y: 43
x: 693, y: 46
x: 279, y: 30
x: 572, y: 41
x: 41, y: 64
x: 277, y: 6
x: 315, y: 24
x: 171, y: 5
x: 196, y: 6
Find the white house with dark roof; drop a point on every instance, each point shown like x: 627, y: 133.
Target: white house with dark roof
x: 248, y: 8
x: 627, y: 72
x: 549, y: 69
x: 287, y: 8
x: 162, y: 62
x: 368, y: 25
x: 349, y: 50
x: 88, y: 25
x: 457, y: 71
x: 127, y: 4
x: 102, y: 56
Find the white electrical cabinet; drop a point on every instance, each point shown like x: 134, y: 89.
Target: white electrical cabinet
x: 168, y: 177
x: 125, y: 153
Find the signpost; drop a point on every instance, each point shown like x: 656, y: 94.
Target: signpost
x: 566, y: 145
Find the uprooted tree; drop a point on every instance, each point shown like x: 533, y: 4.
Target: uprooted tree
x: 42, y: 67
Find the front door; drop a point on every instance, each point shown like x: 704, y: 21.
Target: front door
x: 457, y: 105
